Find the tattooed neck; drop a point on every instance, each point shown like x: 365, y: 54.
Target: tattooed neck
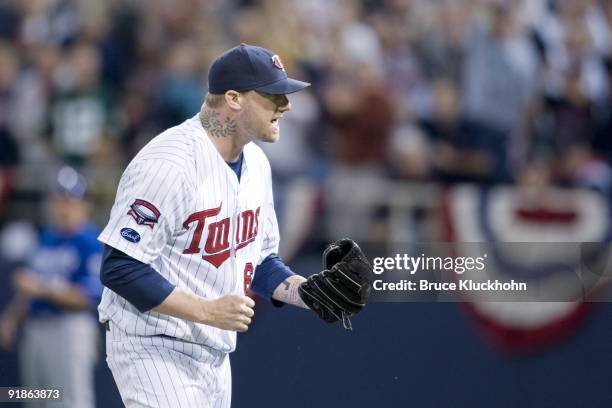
x: 211, y: 121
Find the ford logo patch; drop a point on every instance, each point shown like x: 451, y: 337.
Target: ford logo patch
x: 130, y: 235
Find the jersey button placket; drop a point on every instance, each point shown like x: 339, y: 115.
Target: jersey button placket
x: 235, y: 223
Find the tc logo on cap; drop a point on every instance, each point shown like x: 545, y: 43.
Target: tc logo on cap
x: 276, y: 61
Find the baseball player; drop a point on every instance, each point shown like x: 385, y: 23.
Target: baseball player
x: 193, y: 226
x: 56, y: 294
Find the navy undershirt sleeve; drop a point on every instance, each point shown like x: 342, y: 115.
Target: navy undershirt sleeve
x: 268, y: 275
x: 133, y: 280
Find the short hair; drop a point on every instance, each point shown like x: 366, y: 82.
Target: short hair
x: 214, y: 100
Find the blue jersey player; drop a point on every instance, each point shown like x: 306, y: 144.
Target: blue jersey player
x: 55, y: 295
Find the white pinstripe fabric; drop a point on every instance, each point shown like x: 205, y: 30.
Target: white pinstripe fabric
x: 158, y: 371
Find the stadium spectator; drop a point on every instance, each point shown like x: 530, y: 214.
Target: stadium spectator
x: 465, y: 150
x: 500, y: 66
x: 79, y: 112
x: 9, y: 152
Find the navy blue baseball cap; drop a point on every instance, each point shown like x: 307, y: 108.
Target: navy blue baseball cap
x: 248, y: 67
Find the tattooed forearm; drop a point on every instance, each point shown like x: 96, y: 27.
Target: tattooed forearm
x: 288, y: 291
x: 212, y: 123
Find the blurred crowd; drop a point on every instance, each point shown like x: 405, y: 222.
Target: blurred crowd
x: 485, y: 91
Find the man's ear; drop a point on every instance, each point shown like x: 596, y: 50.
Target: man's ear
x: 234, y: 100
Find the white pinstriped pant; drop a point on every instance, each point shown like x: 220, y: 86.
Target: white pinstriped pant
x: 159, y: 371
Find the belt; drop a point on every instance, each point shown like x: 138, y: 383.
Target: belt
x: 107, y: 327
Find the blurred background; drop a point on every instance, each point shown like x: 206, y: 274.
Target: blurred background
x: 428, y: 120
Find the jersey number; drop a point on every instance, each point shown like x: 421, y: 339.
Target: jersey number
x: 248, y: 276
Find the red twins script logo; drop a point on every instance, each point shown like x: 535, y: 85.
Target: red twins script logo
x: 217, y: 246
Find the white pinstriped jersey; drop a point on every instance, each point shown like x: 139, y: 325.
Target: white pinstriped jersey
x: 180, y: 208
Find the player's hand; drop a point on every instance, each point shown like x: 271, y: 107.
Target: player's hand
x: 229, y: 312
x: 29, y: 285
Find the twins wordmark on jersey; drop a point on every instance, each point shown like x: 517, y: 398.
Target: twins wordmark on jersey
x: 182, y: 210
x: 217, y: 248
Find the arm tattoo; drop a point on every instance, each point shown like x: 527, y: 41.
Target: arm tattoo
x: 289, y: 293
x: 211, y: 122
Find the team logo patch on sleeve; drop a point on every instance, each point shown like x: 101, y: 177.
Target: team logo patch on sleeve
x: 130, y: 235
x: 144, y: 213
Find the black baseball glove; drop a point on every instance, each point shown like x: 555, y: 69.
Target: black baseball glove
x: 342, y: 288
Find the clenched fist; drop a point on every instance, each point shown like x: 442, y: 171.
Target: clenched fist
x: 229, y: 312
